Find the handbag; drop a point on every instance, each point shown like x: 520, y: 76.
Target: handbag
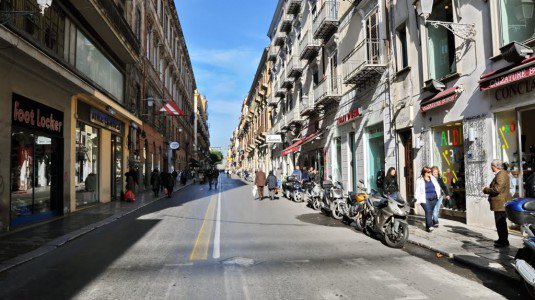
x: 255, y: 191
x: 129, y: 196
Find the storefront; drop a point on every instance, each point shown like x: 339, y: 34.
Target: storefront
x: 375, y: 154
x: 99, y: 162
x: 36, y: 161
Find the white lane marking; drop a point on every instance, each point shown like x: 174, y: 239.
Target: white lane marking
x: 179, y: 265
x: 217, y: 233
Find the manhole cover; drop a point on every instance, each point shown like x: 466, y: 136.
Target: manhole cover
x: 238, y: 261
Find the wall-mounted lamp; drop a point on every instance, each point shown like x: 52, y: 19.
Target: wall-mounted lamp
x: 418, y: 143
x: 464, y: 31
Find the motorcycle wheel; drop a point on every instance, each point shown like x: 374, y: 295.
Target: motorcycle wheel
x: 399, y: 240
x: 336, y: 211
x: 316, y: 203
x: 359, y: 222
x: 288, y: 195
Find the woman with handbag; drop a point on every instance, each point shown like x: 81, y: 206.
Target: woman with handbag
x: 427, y: 193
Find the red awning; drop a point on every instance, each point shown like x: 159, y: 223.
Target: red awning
x: 295, y: 146
x: 507, y: 75
x: 446, y: 96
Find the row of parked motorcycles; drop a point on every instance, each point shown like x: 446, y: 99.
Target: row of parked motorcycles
x: 376, y: 214
x: 384, y: 217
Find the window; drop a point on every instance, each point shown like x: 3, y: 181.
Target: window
x: 148, y: 47
x: 91, y: 62
x: 402, y: 57
x: 138, y: 24
x: 517, y: 21
x: 441, y: 45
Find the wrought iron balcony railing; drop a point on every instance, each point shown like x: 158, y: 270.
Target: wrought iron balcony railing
x: 329, y: 89
x: 326, y: 20
x: 365, y: 62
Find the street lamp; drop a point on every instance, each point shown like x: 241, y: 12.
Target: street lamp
x: 424, y: 8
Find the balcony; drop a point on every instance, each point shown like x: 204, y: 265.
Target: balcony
x: 294, y: 7
x: 365, y: 62
x: 273, y: 101
x: 272, y: 53
x: 280, y: 38
x: 294, y: 67
x: 286, y: 81
x: 279, y: 90
x: 309, y: 47
x: 328, y: 90
x: 286, y: 23
x: 307, y: 105
x: 326, y: 20
x: 294, y: 116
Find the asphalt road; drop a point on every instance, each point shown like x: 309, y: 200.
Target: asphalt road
x: 214, y: 244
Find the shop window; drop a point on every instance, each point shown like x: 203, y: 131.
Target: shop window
x: 92, y: 62
x: 441, y: 43
x: 87, y: 164
x: 507, y: 144
x: 517, y: 20
x: 337, y: 159
x: 376, y: 155
x: 448, y: 156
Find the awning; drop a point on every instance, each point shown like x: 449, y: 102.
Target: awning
x: 295, y: 146
x: 446, y: 96
x: 507, y: 75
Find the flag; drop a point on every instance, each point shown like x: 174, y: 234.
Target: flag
x: 172, y: 109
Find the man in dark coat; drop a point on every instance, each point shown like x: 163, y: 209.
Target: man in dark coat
x: 260, y: 182
x: 271, y: 184
x: 499, y: 195
x: 209, y: 176
x: 155, y: 182
x: 215, y: 176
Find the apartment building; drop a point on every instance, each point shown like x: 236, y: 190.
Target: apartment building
x: 201, y: 143
x: 78, y: 103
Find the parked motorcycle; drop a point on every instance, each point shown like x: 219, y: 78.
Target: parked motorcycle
x: 353, y: 208
x: 522, y: 211
x: 333, y: 199
x: 386, y: 217
x: 313, y: 193
x: 292, y: 190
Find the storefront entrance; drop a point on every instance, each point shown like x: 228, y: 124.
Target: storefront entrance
x: 376, y: 155
x: 36, y: 161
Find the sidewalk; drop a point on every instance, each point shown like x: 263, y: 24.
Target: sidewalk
x: 469, y: 245
x: 20, y: 246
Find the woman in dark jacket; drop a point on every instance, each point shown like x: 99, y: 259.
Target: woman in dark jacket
x: 390, y: 184
x: 155, y: 182
x: 271, y: 184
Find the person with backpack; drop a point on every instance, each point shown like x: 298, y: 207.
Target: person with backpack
x: 271, y: 184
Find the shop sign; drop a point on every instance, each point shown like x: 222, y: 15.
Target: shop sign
x: 507, y: 78
x: 438, y: 103
x: 273, y: 139
x: 34, y: 115
x: 352, y: 115
x: 174, y: 145
x: 448, y: 138
x: 105, y: 121
x: 519, y: 88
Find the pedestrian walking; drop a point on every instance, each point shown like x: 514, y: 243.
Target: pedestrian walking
x: 426, y: 194
x: 155, y: 182
x: 311, y: 174
x: 271, y: 184
x: 444, y: 194
x: 390, y: 184
x: 131, y: 180
x: 183, y: 177
x: 499, y: 195
x: 260, y: 182
x: 169, y: 184
x: 209, y: 175
x: 215, y: 177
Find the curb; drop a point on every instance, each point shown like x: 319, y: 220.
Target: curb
x: 460, y: 259
x: 62, y: 240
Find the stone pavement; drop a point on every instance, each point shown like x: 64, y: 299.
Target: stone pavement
x: 28, y: 243
x: 469, y: 245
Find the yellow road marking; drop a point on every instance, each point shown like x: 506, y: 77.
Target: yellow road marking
x: 202, y: 243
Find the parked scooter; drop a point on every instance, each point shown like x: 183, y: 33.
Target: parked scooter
x: 313, y: 193
x: 292, y: 190
x: 522, y: 211
x: 333, y: 199
x: 353, y: 208
x: 386, y: 217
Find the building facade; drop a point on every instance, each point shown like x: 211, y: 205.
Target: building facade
x: 202, y: 135
x: 362, y: 86
x: 71, y: 95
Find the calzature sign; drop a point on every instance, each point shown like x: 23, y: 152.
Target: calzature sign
x: 352, y: 115
x: 34, y: 115
x: 516, y: 89
x: 507, y: 78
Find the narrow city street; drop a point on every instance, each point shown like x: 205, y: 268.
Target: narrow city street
x: 212, y: 244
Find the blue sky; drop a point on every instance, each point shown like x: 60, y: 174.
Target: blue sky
x: 225, y: 39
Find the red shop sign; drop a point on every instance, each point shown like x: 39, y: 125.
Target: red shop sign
x: 349, y: 116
